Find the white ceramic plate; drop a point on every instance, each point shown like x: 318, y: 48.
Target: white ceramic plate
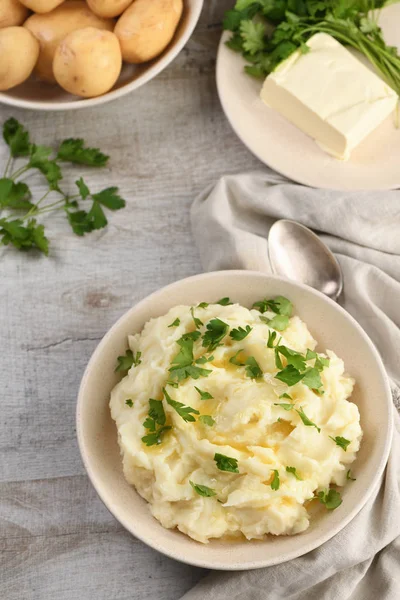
x: 374, y: 165
x: 36, y: 95
x: 329, y: 324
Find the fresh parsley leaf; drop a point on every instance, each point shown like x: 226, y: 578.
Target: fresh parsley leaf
x: 216, y: 331
x: 278, y: 362
x: 14, y: 195
x: 225, y: 463
x: 39, y: 159
x: 202, y: 305
x: 312, y: 378
x: 207, y: 420
x: 310, y: 354
x: 279, y: 322
x: 224, y: 302
x: 293, y: 471
x: 306, y: 420
x: 203, y: 490
x: 234, y: 360
x: 173, y: 384
x: 175, y: 323
x: 125, y: 362
x: 109, y: 198
x: 74, y: 151
x: 341, y: 441
x: 272, y: 335
x: 204, y: 395
x: 289, y: 375
x: 182, y: 366
x: 156, y: 411
x: 204, y: 359
x: 253, y: 35
x: 23, y: 236
x: 279, y: 305
x: 349, y: 477
x: 17, y: 138
x: 284, y: 405
x: 331, y: 499
x: 186, y: 412
x: 155, y: 438
x: 197, y: 322
x: 285, y: 395
x: 129, y: 402
x: 293, y: 358
x: 275, y: 483
x: 321, y: 363
x: 83, y: 188
x: 253, y: 369
x: 240, y: 333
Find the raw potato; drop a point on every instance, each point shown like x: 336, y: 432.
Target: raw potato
x: 146, y: 28
x: 12, y: 13
x: 108, y: 8
x: 88, y: 62
x: 41, y: 6
x: 19, y: 51
x: 54, y: 26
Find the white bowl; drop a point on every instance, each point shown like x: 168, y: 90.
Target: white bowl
x: 329, y: 324
x: 36, y: 95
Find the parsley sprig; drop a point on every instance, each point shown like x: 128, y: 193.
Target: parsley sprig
x: 186, y: 412
x: 18, y: 223
x: 182, y: 365
x: 129, y: 359
x: 155, y: 423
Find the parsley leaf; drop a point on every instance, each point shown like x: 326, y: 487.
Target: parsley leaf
x: 279, y: 305
x: 289, y: 375
x: 202, y: 305
x: 175, y: 323
x: 240, y: 333
x: 332, y: 499
x: 284, y: 405
x: 285, y: 395
x: 253, y: 36
x: 83, y: 188
x: 186, y: 412
x: 203, y: 490
x: 225, y: 463
x: 312, y: 379
x: 109, y: 198
x: 234, y: 360
x: 341, y: 441
x: 17, y: 138
x: 14, y: 195
x: 306, y: 420
x: 293, y: 471
x: 129, y: 402
x: 349, y: 477
x: 272, y: 335
x: 293, y: 358
x: 204, y: 359
x: 253, y: 369
x: 156, y: 416
x: 182, y: 366
x: 216, y: 331
x: 278, y: 362
x: 126, y: 362
x: 23, y: 237
x: 74, y: 151
x: 224, y: 302
x: 207, y: 420
x: 275, y: 483
x: 155, y: 438
x: 279, y: 322
x: 310, y: 354
x: 38, y: 159
x: 204, y: 395
x: 196, y: 321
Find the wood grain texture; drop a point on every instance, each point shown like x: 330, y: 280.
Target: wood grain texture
x: 167, y: 141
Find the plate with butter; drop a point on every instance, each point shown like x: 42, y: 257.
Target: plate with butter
x: 323, y: 116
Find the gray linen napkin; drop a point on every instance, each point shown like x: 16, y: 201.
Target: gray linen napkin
x: 230, y: 224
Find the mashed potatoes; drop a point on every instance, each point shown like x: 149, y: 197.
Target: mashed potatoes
x: 239, y: 441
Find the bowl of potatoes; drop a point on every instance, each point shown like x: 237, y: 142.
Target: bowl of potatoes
x: 68, y: 54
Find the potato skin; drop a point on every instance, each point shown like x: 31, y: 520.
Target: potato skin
x: 41, y: 6
x: 19, y: 51
x: 108, y: 8
x: 54, y: 26
x: 88, y: 62
x: 12, y: 13
x: 146, y: 28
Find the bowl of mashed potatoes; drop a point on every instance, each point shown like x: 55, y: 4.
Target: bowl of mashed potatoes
x: 235, y: 420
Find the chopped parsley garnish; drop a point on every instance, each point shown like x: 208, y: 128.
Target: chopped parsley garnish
x: 182, y: 364
x: 341, y: 441
x: 279, y: 322
x: 306, y: 420
x: 289, y: 375
x: 186, y: 412
x: 129, y: 402
x: 278, y: 361
x: 216, y: 331
x: 207, y: 420
x: 293, y: 471
x: 225, y: 463
x: 173, y: 384
x: 151, y: 439
x: 204, y: 395
x: 312, y: 379
x: 204, y: 359
x: 275, y: 483
x: 240, y: 333
x: 155, y: 423
x: 285, y: 395
x: 176, y: 323
x: 279, y: 305
x: 253, y: 369
x: 234, y: 359
x: 203, y: 490
x: 224, y: 302
x: 196, y: 321
x: 349, y: 477
x: 284, y: 405
x: 272, y: 335
x: 293, y: 358
x: 202, y: 305
x: 130, y: 359
x: 331, y: 499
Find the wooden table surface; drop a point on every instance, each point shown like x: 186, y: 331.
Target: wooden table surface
x: 167, y: 141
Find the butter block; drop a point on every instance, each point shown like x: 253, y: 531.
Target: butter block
x: 330, y: 95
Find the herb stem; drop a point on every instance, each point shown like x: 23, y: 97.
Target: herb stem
x: 7, y: 165
x: 20, y: 172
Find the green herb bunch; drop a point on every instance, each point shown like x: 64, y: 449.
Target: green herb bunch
x: 18, y: 211
x: 354, y: 23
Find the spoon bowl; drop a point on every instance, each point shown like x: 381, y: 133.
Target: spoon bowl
x: 295, y: 252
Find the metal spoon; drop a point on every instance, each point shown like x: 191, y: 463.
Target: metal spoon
x: 297, y: 253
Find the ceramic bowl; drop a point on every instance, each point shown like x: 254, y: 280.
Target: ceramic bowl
x: 36, y: 95
x: 332, y: 327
